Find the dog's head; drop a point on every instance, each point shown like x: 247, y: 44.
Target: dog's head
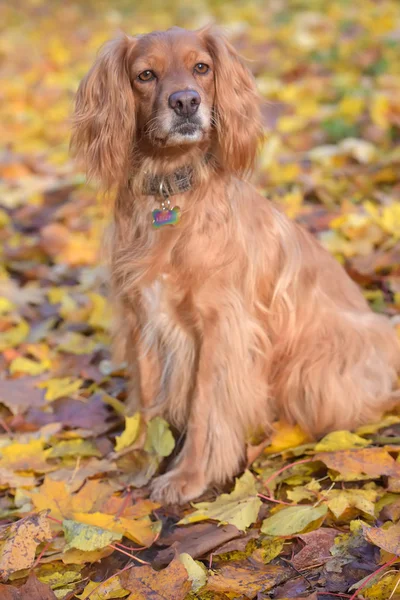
x: 166, y: 90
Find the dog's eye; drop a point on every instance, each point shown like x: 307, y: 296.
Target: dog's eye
x: 201, y: 68
x: 146, y: 76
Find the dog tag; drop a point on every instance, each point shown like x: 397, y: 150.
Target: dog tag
x: 166, y: 217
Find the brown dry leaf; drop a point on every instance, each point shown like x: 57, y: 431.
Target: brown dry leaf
x: 33, y: 589
x: 387, y: 539
x: 171, y: 583
x: 245, y: 578
x: 316, y: 549
x: 20, y: 394
x: 24, y: 536
x: 373, y: 462
x: 196, y: 540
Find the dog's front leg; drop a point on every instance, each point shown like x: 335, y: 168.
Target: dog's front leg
x: 214, y: 444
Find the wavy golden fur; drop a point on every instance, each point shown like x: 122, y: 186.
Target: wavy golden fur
x: 236, y: 316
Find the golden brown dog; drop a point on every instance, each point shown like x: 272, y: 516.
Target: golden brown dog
x: 229, y: 315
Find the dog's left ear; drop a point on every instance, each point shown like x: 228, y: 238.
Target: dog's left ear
x: 236, y: 105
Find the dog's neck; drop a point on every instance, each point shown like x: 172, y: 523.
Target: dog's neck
x: 174, y: 171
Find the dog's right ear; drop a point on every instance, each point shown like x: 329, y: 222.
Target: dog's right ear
x: 104, y: 118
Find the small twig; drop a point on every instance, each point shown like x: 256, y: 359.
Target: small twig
x: 210, y: 561
x: 35, y: 564
x: 143, y: 562
x: 387, y: 564
x: 78, y: 464
x: 274, y: 500
x: 299, y: 462
x: 332, y: 594
x: 299, y: 573
x: 55, y: 520
x: 124, y: 504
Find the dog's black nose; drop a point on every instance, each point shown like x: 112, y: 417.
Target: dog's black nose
x: 185, y: 102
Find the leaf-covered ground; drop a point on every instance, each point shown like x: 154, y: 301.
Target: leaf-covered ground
x: 317, y: 521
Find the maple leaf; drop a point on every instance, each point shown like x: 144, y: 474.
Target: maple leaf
x: 239, y: 508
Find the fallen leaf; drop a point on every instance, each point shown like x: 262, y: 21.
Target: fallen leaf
x: 87, y: 537
x: 294, y: 519
x: 239, y: 508
x: 60, y: 387
x: 341, y: 500
x: 340, y: 440
x: 387, y: 539
x: 130, y: 433
x: 170, y: 584
x: 373, y: 462
x: 24, y: 536
x: 285, y: 436
x: 196, y: 571
x: 316, y: 549
x: 159, y: 438
x: 245, y: 579
x: 104, y: 590
x: 196, y: 540
x: 33, y: 589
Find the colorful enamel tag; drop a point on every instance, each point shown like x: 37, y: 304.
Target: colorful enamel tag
x: 166, y: 217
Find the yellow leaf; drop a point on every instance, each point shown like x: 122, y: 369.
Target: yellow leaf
x: 18, y: 551
x: 60, y: 387
x: 142, y: 531
x: 130, y: 433
x: 239, y: 508
x: 76, y: 343
x: 286, y: 436
x: 105, y: 590
x: 351, y: 106
x: 14, y: 336
x: 340, y: 500
x: 196, y: 571
x: 340, y: 440
x: 24, y: 457
x: 100, y: 316
x: 53, y: 496
x: 6, y: 306
x: 28, y: 366
x: 379, y: 110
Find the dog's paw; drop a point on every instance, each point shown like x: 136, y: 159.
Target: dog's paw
x: 177, y: 487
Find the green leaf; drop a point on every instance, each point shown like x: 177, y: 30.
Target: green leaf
x: 87, y: 537
x: 239, y: 508
x: 294, y: 519
x: 159, y: 437
x: 130, y: 433
x: 196, y: 571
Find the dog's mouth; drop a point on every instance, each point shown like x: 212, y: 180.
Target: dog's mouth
x: 187, y: 128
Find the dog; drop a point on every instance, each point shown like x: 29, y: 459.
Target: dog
x: 228, y: 314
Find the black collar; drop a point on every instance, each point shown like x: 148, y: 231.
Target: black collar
x: 181, y: 180
x: 165, y: 186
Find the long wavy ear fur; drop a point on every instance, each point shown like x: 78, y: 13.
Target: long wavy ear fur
x: 236, y: 106
x: 104, y: 118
